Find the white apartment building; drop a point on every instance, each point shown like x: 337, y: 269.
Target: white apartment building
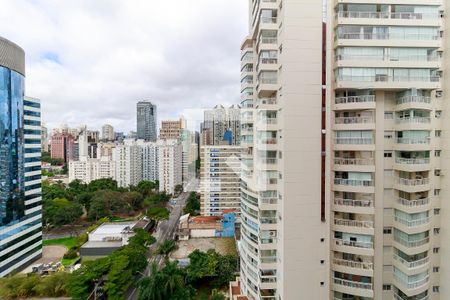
x: 220, y: 173
x: 284, y: 247
x: 87, y: 169
x: 150, y: 165
x: 128, y: 163
x: 170, y: 165
x: 107, y: 133
x: 368, y: 219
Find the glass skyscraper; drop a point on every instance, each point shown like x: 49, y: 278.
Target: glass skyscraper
x: 20, y: 165
x: 146, y: 121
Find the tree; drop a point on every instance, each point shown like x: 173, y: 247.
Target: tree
x: 158, y: 213
x: 216, y: 295
x: 119, y: 277
x: 102, y: 184
x: 178, y: 189
x: 192, y: 204
x: 67, y: 214
x: 141, y: 237
x: 53, y: 286
x: 132, y: 199
x: 166, y: 247
x: 146, y: 188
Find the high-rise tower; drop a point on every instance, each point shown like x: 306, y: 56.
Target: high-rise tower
x: 146, y: 121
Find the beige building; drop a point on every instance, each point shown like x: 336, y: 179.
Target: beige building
x: 363, y: 220
x: 107, y: 133
x: 220, y: 172
x: 170, y: 165
x: 171, y: 130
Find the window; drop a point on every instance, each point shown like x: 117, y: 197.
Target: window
x: 387, y: 230
x: 437, y: 192
x: 436, y: 289
x: 389, y: 115
x: 437, y: 172
x: 387, y: 287
x: 436, y: 231
x: 437, y: 133
x: 437, y: 211
x: 436, y: 250
x: 388, y: 134
x: 437, y: 153
x: 387, y: 153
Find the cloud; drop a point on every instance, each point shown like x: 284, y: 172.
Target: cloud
x: 90, y: 61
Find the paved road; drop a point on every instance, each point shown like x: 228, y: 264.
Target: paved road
x: 166, y: 230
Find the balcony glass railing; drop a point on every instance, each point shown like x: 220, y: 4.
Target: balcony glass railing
x: 388, y: 36
x: 353, y: 182
x: 268, y: 161
x: 268, y: 259
x: 267, y: 101
x: 353, y: 141
x: 263, y: 60
x: 269, y: 20
x: 357, y: 244
x: 388, y: 15
x: 411, y: 244
x: 414, y: 99
x: 352, y: 202
x: 413, y: 120
x: 411, y: 58
x: 413, y: 182
x: 387, y: 78
x: 353, y: 264
x: 353, y: 284
x: 353, y: 120
x: 354, y: 223
x: 412, y: 223
x: 268, y: 40
x: 398, y: 297
x: 354, y: 161
x: 413, y: 203
x: 269, y: 141
x: 355, y: 99
x: 413, y: 141
x: 412, y: 264
x: 412, y: 161
x: 267, y: 81
x: 268, y: 220
x: 411, y: 285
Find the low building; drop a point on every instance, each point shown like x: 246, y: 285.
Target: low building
x: 109, y: 237
x: 206, y: 226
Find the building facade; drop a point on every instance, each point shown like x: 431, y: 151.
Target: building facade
x: 219, y: 120
x: 220, y: 172
x: 150, y: 165
x: 171, y: 130
x: 108, y: 133
x: 87, y: 169
x: 146, y: 121
x: 128, y: 163
x: 170, y: 165
x: 284, y: 246
x: 62, y: 147
x: 20, y: 165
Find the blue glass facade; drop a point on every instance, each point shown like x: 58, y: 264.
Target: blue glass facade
x: 20, y: 163
x: 12, y: 177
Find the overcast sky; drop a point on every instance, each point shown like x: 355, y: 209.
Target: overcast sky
x: 90, y: 61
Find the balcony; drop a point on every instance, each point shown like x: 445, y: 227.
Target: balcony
x: 412, y: 264
x: 413, y: 99
x: 413, y: 144
x: 413, y: 182
x: 411, y: 244
x: 383, y: 81
x: 353, y: 264
x: 353, y: 182
x: 413, y: 203
x: 388, y: 36
x: 387, y: 15
x: 356, y: 244
x: 387, y: 58
x: 411, y: 285
x: 354, y: 223
x: 412, y: 161
x: 353, y: 203
x: 412, y: 223
x: 354, y: 123
x: 355, y: 102
x: 268, y: 20
x: 353, y: 141
x: 354, y: 164
x: 398, y: 297
x: 352, y: 284
x: 413, y: 120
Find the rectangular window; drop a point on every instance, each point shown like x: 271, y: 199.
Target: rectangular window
x: 437, y: 172
x: 437, y: 211
x: 437, y: 192
x: 387, y: 287
x: 435, y: 289
x: 437, y: 153
x: 387, y: 153
x: 389, y: 115
x: 437, y: 133
x: 387, y: 230
x: 436, y: 231
x: 436, y: 250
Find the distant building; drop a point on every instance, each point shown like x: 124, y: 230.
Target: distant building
x: 171, y: 130
x: 109, y: 237
x: 220, y: 173
x: 170, y: 165
x: 207, y: 227
x: 128, y: 163
x: 150, y: 165
x: 62, y: 146
x: 88, y: 169
x: 45, y: 143
x: 219, y: 120
x: 146, y: 121
x: 107, y: 133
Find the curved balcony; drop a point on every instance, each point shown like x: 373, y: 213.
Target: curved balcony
x: 414, y: 102
x: 412, y: 247
x: 413, y: 206
x: 359, y: 288
x: 354, y: 185
x: 398, y: 297
x: 412, y: 185
x: 355, y: 247
x: 413, y: 144
x: 412, y: 164
x: 412, y: 226
x: 411, y: 288
x: 382, y: 81
x: 412, y: 264
x: 354, y: 226
x: 353, y: 206
x: 415, y: 123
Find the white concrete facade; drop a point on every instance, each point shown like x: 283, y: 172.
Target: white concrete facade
x: 128, y: 163
x: 220, y: 173
x: 88, y: 169
x: 170, y: 165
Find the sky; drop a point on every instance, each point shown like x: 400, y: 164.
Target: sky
x: 90, y: 61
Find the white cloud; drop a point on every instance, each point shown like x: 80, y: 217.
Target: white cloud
x: 91, y: 61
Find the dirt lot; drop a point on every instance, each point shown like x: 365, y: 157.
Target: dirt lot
x: 49, y: 254
x: 222, y: 245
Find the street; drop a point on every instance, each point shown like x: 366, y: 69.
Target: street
x: 165, y: 230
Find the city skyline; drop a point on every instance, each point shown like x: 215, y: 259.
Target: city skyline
x: 60, y: 58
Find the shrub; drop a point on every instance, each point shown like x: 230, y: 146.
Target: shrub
x: 71, y: 254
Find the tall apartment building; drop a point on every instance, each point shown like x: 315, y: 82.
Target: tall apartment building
x: 20, y: 165
x: 44, y: 138
x: 368, y: 219
x: 170, y: 165
x: 171, y: 130
x: 62, y: 146
x: 107, y: 133
x: 284, y: 247
x: 146, y: 121
x: 219, y: 120
x: 220, y: 172
x: 150, y: 165
x: 128, y: 163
